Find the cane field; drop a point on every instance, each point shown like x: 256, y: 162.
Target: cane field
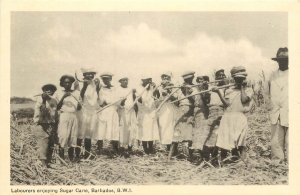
x: 256, y: 169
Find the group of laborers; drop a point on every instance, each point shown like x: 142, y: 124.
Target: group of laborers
x: 207, y: 123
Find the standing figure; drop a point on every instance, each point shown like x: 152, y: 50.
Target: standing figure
x: 202, y: 81
x: 89, y: 95
x: 147, y: 117
x: 185, y: 119
x: 167, y: 113
x: 200, y: 130
x: 277, y: 91
x: 127, y: 116
x: 233, y: 126
x: 68, y: 124
x: 108, y: 127
x: 216, y: 110
x: 45, y: 120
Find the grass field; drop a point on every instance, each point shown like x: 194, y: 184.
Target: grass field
x: 257, y: 169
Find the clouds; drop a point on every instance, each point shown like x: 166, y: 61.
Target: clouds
x: 140, y: 39
x: 209, y: 53
x: 130, y: 47
x: 202, y: 52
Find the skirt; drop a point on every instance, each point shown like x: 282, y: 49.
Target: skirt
x: 183, y: 126
x: 88, y: 124
x: 166, y: 123
x: 148, y: 127
x: 232, y: 130
x: 200, y: 131
x: 214, y: 119
x: 108, y: 125
x: 67, y: 129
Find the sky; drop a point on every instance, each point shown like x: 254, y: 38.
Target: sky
x: 47, y: 45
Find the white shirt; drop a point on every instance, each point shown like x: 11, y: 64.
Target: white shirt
x: 278, y: 91
x: 70, y: 103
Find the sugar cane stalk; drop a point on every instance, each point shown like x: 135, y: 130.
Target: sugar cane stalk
x: 208, y: 90
x: 166, y: 99
x: 137, y: 99
x: 109, y: 105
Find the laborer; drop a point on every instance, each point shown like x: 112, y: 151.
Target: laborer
x: 147, y: 119
x: 69, y: 103
x: 89, y: 95
x: 233, y: 126
x: 277, y: 90
x: 46, y: 120
x: 127, y: 117
x: 108, y: 127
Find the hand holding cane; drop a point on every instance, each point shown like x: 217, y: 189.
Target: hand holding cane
x: 109, y: 105
x: 205, y: 91
x: 153, y: 114
x: 137, y: 98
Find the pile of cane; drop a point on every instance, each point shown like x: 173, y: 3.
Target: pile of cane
x: 156, y: 169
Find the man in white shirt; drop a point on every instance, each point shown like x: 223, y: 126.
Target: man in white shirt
x: 278, y: 93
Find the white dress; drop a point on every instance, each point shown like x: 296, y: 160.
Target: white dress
x: 108, y: 119
x: 68, y: 124
x: 128, y: 124
x: 147, y: 118
x: 87, y: 115
x: 166, y: 120
x: 233, y: 125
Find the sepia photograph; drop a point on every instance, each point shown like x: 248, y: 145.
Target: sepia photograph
x: 149, y: 98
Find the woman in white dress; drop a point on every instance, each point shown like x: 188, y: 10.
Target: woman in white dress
x: 147, y: 117
x: 127, y: 115
x: 166, y: 115
x: 108, y: 119
x: 88, y: 115
x: 68, y: 124
x: 233, y: 125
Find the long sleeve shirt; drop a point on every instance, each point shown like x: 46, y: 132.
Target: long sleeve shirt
x: 277, y: 90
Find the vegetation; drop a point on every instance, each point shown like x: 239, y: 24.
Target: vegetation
x: 153, y: 169
x: 20, y: 100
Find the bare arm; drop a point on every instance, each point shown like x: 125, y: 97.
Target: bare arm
x: 60, y: 103
x: 244, y: 98
x: 225, y: 102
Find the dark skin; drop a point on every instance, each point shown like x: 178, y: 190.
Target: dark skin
x: 145, y: 83
x: 189, y: 81
x: 220, y: 76
x: 124, y: 84
x: 67, y: 84
x: 240, y: 84
x: 204, y: 83
x: 283, y: 64
x: 88, y: 79
x: 107, y: 82
x: 47, y: 95
x: 165, y: 80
